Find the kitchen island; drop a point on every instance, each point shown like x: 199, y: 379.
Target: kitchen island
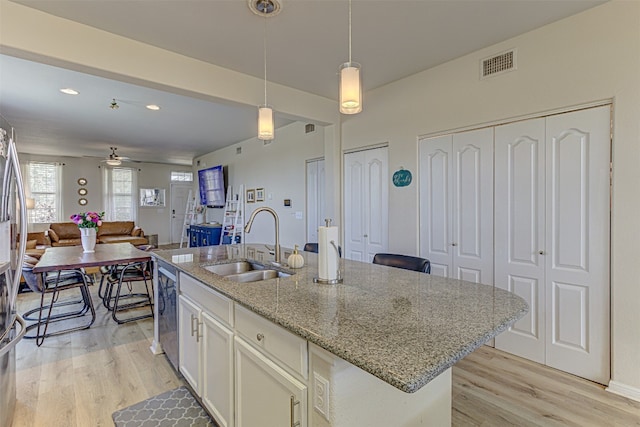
x: 404, y: 328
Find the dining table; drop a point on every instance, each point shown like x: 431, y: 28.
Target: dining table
x: 73, y: 257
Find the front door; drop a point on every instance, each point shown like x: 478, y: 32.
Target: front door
x: 179, y: 197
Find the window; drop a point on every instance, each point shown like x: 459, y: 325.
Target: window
x: 182, y: 176
x: 120, y: 195
x: 43, y: 181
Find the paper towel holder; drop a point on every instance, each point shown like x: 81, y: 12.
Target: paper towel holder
x: 338, y: 279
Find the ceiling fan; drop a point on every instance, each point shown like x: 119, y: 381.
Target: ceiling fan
x: 114, y: 159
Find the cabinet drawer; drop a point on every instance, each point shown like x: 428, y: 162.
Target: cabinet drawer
x: 288, y: 348
x: 210, y: 300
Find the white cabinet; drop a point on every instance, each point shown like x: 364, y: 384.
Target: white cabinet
x: 271, y: 373
x: 552, y: 238
x: 266, y: 395
x: 456, y: 205
x: 206, y: 347
x: 366, y: 204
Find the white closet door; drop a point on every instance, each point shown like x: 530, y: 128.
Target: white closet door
x: 315, y: 198
x: 520, y: 231
x: 366, y: 204
x: 577, y: 265
x: 436, y: 203
x: 377, y: 200
x: 354, y: 207
x: 473, y: 206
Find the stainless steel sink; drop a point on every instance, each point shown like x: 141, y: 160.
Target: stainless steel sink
x: 233, y: 268
x: 245, y: 271
x: 256, y: 275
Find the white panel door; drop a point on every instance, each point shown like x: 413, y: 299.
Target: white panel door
x: 315, y: 198
x: 179, y: 196
x: 520, y: 231
x: 354, y: 207
x: 456, y: 205
x: 436, y: 204
x: 577, y: 264
x: 366, y: 204
x: 473, y: 206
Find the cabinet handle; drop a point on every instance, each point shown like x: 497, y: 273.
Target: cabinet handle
x: 260, y: 336
x: 292, y: 404
x: 198, y: 331
x: 193, y: 326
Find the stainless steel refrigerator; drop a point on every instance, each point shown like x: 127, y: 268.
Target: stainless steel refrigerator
x: 13, y: 238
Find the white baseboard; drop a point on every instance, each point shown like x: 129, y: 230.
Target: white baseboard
x: 624, y: 390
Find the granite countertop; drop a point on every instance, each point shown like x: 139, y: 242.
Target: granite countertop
x: 404, y: 327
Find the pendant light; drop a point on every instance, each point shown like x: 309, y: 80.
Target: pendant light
x: 266, y: 127
x: 350, y: 82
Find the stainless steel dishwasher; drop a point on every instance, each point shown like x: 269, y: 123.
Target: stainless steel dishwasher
x: 168, y: 311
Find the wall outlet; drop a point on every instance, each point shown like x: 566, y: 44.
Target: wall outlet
x: 321, y: 395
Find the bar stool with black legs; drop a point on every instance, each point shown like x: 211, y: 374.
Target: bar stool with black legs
x: 59, y: 308
x: 119, y: 300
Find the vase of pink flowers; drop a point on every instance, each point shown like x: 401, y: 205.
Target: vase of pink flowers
x: 88, y: 223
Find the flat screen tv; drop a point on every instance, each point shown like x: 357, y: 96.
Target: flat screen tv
x: 212, y: 190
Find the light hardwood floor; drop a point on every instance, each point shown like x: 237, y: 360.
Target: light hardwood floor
x: 79, y: 379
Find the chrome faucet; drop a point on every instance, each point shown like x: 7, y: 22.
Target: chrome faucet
x: 247, y: 227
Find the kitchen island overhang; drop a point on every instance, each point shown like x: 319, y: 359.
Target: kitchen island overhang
x: 403, y: 327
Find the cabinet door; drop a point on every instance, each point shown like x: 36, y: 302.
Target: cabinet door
x: 436, y: 204
x: 217, y: 370
x: 520, y: 231
x: 189, y: 342
x: 266, y: 395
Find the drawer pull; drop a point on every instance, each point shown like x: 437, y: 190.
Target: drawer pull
x: 292, y: 404
x: 260, y: 336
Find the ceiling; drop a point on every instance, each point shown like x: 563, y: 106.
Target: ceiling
x: 307, y: 42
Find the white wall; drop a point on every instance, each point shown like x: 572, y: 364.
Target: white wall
x: 591, y: 56
x: 150, y: 175
x: 279, y: 168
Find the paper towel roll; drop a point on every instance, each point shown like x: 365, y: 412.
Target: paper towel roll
x: 327, y: 255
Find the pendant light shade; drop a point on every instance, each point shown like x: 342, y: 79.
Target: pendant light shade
x: 350, y: 88
x: 265, y: 123
x: 350, y: 82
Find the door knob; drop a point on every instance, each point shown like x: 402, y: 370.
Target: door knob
x: 541, y: 252
x: 454, y: 244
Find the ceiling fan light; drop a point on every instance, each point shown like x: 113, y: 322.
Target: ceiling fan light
x: 265, y: 123
x: 350, y: 88
x: 114, y: 162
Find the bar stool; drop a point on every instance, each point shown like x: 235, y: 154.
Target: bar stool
x: 128, y: 274
x: 403, y: 261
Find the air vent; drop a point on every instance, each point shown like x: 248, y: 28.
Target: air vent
x: 498, y: 64
x: 309, y: 127
x: 238, y: 150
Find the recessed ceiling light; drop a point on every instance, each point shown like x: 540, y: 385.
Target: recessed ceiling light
x: 69, y: 91
x: 153, y: 107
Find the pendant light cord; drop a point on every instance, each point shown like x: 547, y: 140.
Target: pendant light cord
x: 349, y: 31
x: 264, y: 40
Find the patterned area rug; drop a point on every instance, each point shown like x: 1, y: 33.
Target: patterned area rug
x: 175, y: 408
